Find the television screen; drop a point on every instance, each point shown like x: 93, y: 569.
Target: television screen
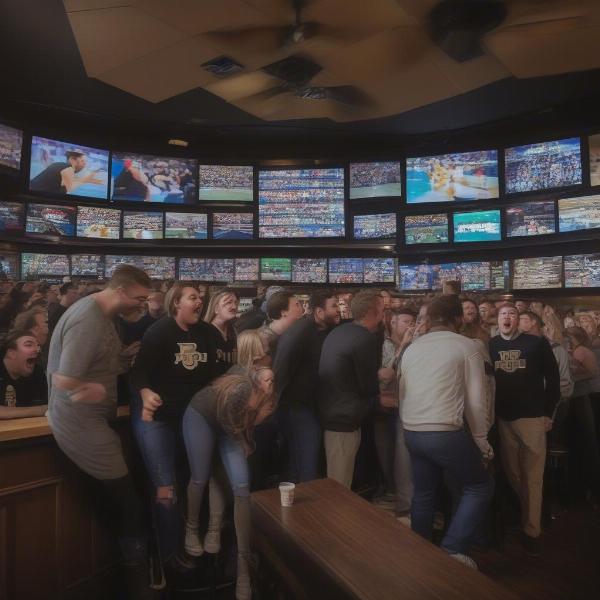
x: 379, y: 270
x: 96, y: 222
x: 192, y: 269
x: 309, y: 270
x: 374, y: 226
x: 38, y: 265
x: 233, y: 226
x: 426, y: 229
x: 301, y: 203
x: 276, y: 269
x: 225, y: 182
x: 543, y: 166
x: 415, y: 277
x: 87, y: 265
x: 375, y: 179
x: 156, y: 267
x: 582, y: 271
x: 51, y: 220
x: 346, y: 270
x: 475, y: 276
x: 444, y: 272
x: 537, y: 273
x: 452, y: 177
x: 578, y: 213
x: 66, y: 168
x: 530, y: 218
x: 499, y: 274
x: 480, y: 226
x: 144, y: 178
x: 9, y: 266
x: 244, y: 305
x: 11, y: 217
x: 11, y: 144
x: 247, y: 269
x: 142, y: 225
x: 594, y: 141
x: 219, y: 269
x: 188, y: 226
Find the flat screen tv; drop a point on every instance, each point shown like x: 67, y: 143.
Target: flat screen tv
x: 233, y: 226
x: 452, y: 177
x: 226, y: 182
x: 537, y: 273
x: 499, y: 274
x: 594, y: 141
x: 156, y: 267
x: 97, y: 222
x: 47, y: 219
x: 276, y: 269
x: 475, y: 276
x: 379, y: 270
x: 414, y: 277
x: 346, y: 270
x: 220, y: 269
x: 87, y: 265
x: 9, y: 266
x: 64, y: 168
x: 247, y: 269
x: 192, y: 269
x: 144, y: 178
x: 244, y: 305
x: 34, y: 266
x: 11, y: 146
x: 426, y: 229
x: 479, y: 226
x: 186, y: 226
x: 375, y: 179
x: 530, y: 218
x: 575, y: 214
x: 11, y: 217
x: 301, y: 203
x: 374, y: 226
x: 582, y: 271
x: 543, y: 166
x: 138, y: 225
x: 309, y: 270
x: 444, y: 272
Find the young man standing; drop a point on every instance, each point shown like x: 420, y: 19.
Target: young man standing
x: 283, y: 309
x: 69, y: 294
x: 527, y: 390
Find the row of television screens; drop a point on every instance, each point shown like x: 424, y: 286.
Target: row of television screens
x: 68, y: 168
x: 523, y: 219
x: 580, y: 271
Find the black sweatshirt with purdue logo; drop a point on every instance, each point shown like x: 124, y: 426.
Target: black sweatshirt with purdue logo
x: 527, y: 377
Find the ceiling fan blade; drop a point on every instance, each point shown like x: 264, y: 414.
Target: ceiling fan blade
x: 255, y: 40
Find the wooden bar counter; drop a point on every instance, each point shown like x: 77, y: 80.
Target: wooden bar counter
x: 333, y: 544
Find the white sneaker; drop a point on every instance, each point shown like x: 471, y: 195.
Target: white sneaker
x: 192, y: 543
x: 212, y: 542
x: 465, y: 560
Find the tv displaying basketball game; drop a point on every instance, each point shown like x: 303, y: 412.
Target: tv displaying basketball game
x: 375, y: 180
x: 226, y: 182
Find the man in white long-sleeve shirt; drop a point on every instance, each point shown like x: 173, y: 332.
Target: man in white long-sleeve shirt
x: 442, y: 392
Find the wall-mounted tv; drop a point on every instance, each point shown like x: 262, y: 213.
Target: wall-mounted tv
x: 61, y: 168
x: 35, y: 265
x: 144, y: 178
x: 444, y: 272
x: 578, y: 213
x: 309, y: 270
x: 475, y: 276
x: 530, y: 218
x: 156, y: 267
x: 276, y: 269
x: 452, y: 177
x: 379, y: 270
x: 537, y: 273
x: 47, y: 219
x: 582, y: 271
x: 226, y: 182
x: 219, y: 269
x: 192, y: 269
x: 478, y: 226
x: 499, y: 274
x: 141, y: 225
x: 9, y: 266
x: 375, y: 226
x: 186, y: 226
x: 414, y: 277
x: 426, y: 229
x: 543, y: 166
x: 594, y: 141
x: 233, y: 226
x: 346, y: 270
x: 11, y: 146
x: 12, y: 216
x: 375, y: 179
x: 87, y: 265
x: 97, y: 222
x: 301, y: 203
x: 247, y: 269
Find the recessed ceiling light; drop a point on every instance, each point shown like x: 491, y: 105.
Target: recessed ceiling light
x: 176, y: 142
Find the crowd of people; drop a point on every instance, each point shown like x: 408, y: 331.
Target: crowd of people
x: 226, y: 177
x: 452, y: 390
x: 364, y: 175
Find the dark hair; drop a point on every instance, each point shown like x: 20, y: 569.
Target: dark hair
x: 11, y: 338
x: 26, y: 321
x: 363, y: 302
x: 277, y: 303
x: 580, y: 335
x: 65, y: 287
x: 319, y: 298
x: 534, y: 317
x: 126, y: 275
x: 444, y: 310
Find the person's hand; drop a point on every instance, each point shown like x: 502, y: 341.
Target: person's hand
x: 39, y: 410
x: 131, y: 350
x: 88, y: 393
x: 386, y: 375
x: 408, y: 336
x: 151, y: 402
x: 92, y: 178
x: 548, y: 423
x: 388, y: 399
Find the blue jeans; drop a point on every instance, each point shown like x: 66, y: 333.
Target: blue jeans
x: 432, y: 453
x: 303, y: 436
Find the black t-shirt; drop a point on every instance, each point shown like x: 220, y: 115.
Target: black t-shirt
x: 24, y: 391
x: 226, y: 350
x: 50, y: 179
x: 133, y: 331
x: 55, y: 312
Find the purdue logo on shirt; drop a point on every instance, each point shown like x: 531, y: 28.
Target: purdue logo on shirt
x: 188, y: 356
x: 510, y: 361
x: 10, y: 396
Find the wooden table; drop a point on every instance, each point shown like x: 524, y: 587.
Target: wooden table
x: 332, y: 544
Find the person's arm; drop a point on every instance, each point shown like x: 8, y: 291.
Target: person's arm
x: 366, y: 366
x: 566, y: 379
x: 71, y: 183
x: 476, y: 409
x: 551, y: 378
x: 22, y: 412
x: 585, y: 365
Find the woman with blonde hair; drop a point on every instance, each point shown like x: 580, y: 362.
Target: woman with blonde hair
x: 223, y: 415
x: 221, y: 313
x: 252, y: 350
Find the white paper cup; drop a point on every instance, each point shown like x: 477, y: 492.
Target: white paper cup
x: 286, y: 491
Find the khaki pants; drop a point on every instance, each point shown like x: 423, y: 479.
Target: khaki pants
x: 524, y: 457
x: 340, y: 449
